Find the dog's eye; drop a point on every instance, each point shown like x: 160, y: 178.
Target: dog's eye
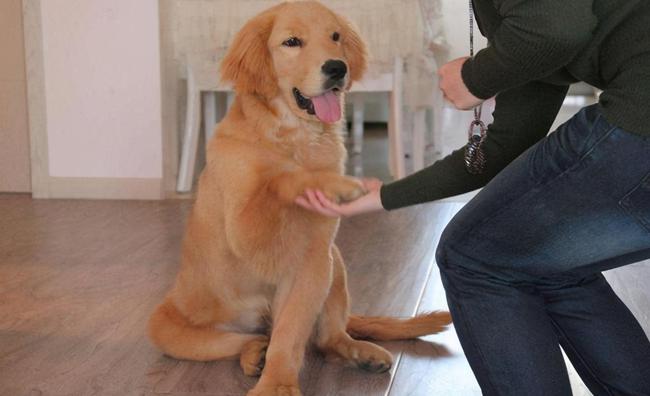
x: 336, y: 36
x: 292, y: 42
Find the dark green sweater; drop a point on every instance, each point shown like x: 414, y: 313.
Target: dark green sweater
x: 536, y: 48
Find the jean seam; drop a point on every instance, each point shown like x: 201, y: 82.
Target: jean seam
x: 591, y: 371
x: 629, y: 209
x: 595, y: 145
x: 540, y: 187
x: 465, y: 323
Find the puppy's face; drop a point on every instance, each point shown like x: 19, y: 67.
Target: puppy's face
x: 301, y: 52
x: 311, y: 63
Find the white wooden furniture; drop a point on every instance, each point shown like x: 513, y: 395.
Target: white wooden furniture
x: 201, y: 81
x: 392, y: 83
x: 216, y: 101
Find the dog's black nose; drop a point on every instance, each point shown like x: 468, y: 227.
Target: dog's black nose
x: 335, y: 69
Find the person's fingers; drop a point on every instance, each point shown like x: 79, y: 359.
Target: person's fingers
x: 301, y: 201
x: 328, y: 204
x: 322, y: 198
x: 306, y: 204
x: 313, y: 200
x: 329, y: 212
x: 311, y: 197
x: 346, y: 209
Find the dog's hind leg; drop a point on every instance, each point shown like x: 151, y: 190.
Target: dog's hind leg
x: 253, y: 357
x: 332, y: 337
x: 173, y: 334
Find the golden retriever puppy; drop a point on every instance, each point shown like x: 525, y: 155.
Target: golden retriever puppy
x: 260, y: 276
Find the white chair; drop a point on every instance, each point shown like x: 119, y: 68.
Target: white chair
x: 201, y: 81
x: 217, y: 99
x: 393, y: 84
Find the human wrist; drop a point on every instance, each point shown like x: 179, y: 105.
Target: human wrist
x: 468, y: 73
x: 376, y: 204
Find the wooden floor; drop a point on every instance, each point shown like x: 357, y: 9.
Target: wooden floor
x: 79, y: 278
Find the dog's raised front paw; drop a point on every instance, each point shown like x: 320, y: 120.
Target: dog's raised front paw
x: 344, y: 189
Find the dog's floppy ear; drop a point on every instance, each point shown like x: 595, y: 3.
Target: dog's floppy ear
x: 354, y: 50
x: 248, y: 64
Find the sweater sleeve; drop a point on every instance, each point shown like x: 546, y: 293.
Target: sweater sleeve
x: 522, y: 116
x: 534, y: 38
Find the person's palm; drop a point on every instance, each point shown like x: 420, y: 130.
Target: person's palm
x: 316, y: 201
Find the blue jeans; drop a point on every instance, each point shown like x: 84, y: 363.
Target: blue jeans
x: 521, y: 264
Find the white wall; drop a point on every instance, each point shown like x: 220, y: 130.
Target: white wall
x: 456, y: 27
x: 102, y: 84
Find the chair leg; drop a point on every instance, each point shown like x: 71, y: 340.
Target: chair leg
x: 222, y: 105
x: 419, y: 129
x: 190, y: 138
x: 358, y: 113
x: 209, y: 115
x: 396, y: 144
x: 230, y: 98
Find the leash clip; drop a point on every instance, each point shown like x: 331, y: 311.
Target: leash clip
x: 475, y: 159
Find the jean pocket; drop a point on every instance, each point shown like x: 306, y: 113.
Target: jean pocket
x: 637, y: 203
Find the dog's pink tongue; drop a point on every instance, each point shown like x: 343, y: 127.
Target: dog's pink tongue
x: 327, y: 107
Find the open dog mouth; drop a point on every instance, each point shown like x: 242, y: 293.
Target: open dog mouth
x: 326, y: 106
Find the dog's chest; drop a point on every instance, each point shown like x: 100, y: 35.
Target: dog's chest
x: 318, y: 150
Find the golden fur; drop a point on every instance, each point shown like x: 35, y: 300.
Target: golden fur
x: 257, y: 270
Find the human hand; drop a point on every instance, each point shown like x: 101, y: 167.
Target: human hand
x: 453, y: 88
x: 316, y: 201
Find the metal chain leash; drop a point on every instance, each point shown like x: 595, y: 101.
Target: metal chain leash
x: 475, y: 159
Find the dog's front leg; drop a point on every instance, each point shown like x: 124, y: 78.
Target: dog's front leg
x: 291, y: 184
x: 298, y: 302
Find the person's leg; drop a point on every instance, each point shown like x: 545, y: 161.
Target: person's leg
x: 521, y: 259
x: 605, y: 344
x: 507, y: 336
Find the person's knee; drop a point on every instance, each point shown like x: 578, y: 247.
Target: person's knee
x: 462, y: 258
x: 450, y: 237
x: 457, y: 253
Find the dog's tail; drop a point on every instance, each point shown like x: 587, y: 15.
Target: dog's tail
x: 382, y: 328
